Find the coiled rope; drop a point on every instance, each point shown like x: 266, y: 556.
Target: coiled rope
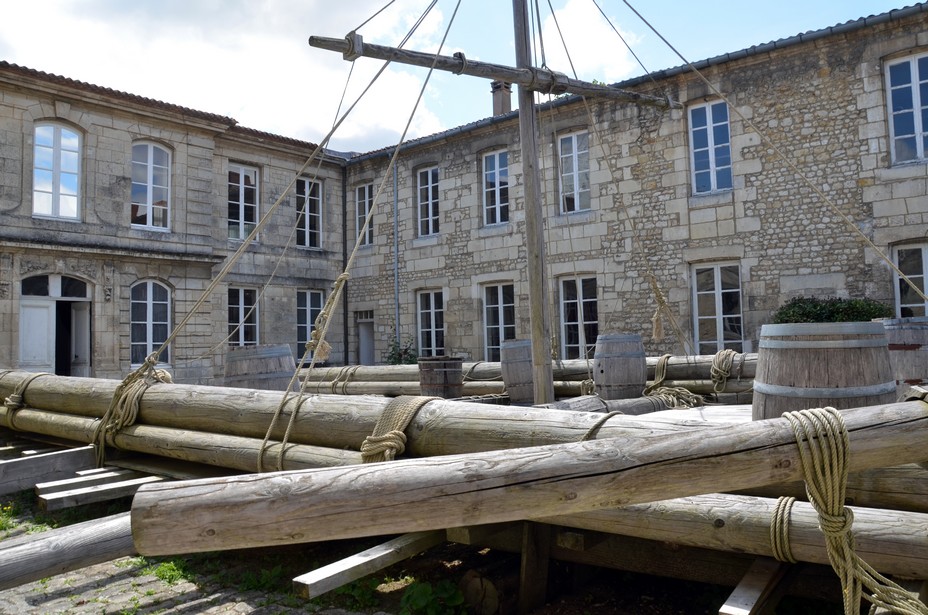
x: 673, y: 397
x: 720, y: 370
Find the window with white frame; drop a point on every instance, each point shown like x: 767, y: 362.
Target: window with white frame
x: 431, y: 309
x: 499, y: 315
x: 579, y: 317
x: 308, y: 307
x: 308, y: 213
x: 717, y: 308
x: 496, y: 188
x: 243, y: 317
x: 574, y: 152
x: 56, y: 172
x: 151, y: 186
x: 149, y: 320
x: 710, y: 148
x: 427, y: 199
x: 243, y: 200
x: 912, y: 261
x: 364, y: 202
x: 907, y: 84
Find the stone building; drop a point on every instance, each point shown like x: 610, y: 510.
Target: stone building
x: 787, y: 169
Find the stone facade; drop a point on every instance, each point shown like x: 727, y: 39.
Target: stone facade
x: 816, y: 205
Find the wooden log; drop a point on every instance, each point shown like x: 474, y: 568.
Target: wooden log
x: 595, y: 403
x: 893, y: 542
x: 27, y: 472
x: 333, y: 503
x: 37, y: 556
x: 342, y: 572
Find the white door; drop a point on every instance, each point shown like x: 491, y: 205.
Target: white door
x: 366, y: 343
x: 80, y: 339
x: 37, y: 335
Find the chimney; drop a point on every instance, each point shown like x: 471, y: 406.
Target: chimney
x: 502, y: 97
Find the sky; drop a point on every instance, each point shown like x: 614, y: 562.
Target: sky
x: 250, y: 60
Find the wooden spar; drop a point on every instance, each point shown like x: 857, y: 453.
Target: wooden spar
x: 891, y: 541
x: 537, y: 79
x: 440, y: 492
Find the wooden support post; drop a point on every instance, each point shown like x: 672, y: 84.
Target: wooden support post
x: 757, y: 592
x: 27, y: 472
x: 345, y: 571
x: 533, y: 576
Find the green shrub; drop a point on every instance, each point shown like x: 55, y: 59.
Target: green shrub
x: 831, y: 309
x: 402, y: 354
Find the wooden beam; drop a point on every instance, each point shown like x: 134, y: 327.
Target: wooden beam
x: 98, y: 476
x: 96, y: 493
x: 753, y: 594
x: 345, y: 571
x: 27, y: 472
x: 533, y: 572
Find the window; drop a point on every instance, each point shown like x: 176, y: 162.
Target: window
x: 431, y: 323
x: 151, y: 186
x: 575, y: 172
x: 496, y: 189
x: 55, y: 285
x: 911, y: 261
x: 427, y: 188
x: 243, y: 317
x: 907, y: 82
x: 364, y: 202
x: 308, y: 213
x: 243, y: 201
x: 308, y: 307
x: 56, y: 172
x: 149, y: 321
x: 717, y: 308
x: 710, y: 148
x: 499, y: 317
x: 579, y: 318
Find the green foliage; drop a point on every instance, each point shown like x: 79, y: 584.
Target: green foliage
x: 265, y: 579
x: 171, y: 571
x: 402, y: 354
x: 831, y: 309
x: 360, y: 594
x: 422, y: 598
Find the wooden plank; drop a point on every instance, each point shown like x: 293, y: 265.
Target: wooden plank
x: 345, y: 571
x: 98, y: 477
x: 37, y: 556
x: 98, y: 493
x: 533, y: 572
x: 752, y: 596
x: 27, y: 472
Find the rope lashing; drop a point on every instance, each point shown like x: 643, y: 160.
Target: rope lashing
x: 17, y: 398
x: 779, y: 530
x: 389, y: 439
x: 459, y: 55
x: 673, y: 397
x: 124, y: 408
x: 824, y: 448
x: 587, y: 387
x: 720, y: 370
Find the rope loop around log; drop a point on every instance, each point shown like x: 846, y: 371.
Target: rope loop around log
x: 720, y: 370
x: 779, y: 530
x: 17, y: 399
x: 388, y: 439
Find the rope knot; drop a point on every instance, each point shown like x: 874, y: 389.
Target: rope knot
x: 836, y: 525
x: 389, y: 445
x: 14, y: 402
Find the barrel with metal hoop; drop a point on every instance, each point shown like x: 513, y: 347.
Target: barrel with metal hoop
x: 516, y: 368
x: 441, y: 376
x: 620, y: 369
x: 813, y: 365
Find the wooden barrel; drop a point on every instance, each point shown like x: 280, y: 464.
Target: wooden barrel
x: 441, y: 376
x: 620, y: 370
x: 907, y: 340
x: 516, y: 368
x: 813, y: 365
x: 268, y: 367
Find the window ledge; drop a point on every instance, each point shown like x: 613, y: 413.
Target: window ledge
x: 504, y: 228
x: 429, y: 240
x: 574, y: 217
x: 55, y: 218
x: 152, y: 229
x: 712, y: 199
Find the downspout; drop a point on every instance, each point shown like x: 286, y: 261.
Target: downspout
x: 345, y: 260
x: 396, y: 254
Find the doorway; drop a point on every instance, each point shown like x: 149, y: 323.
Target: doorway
x: 55, y: 326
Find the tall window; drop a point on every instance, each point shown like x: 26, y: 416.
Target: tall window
x: 579, y: 318
x: 149, y: 321
x: 717, y: 308
x: 56, y: 172
x: 431, y: 323
x: 911, y: 261
x: 308, y: 213
x: 243, y: 200
x: 364, y: 201
x: 710, y: 148
x: 907, y: 82
x: 499, y: 312
x: 575, y: 172
x: 427, y: 190
x: 496, y: 188
x: 308, y: 307
x: 151, y: 185
x: 243, y: 317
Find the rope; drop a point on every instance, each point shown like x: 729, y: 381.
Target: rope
x: 591, y: 432
x: 779, y: 530
x: 824, y: 446
x: 721, y: 368
x: 124, y: 408
x: 587, y: 386
x: 389, y: 439
x: 672, y: 397
x: 16, y: 400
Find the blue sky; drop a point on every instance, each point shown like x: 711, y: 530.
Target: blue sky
x: 249, y: 59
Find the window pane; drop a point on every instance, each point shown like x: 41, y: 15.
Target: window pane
x: 900, y: 74
x: 705, y: 280
x: 698, y: 117
x: 705, y: 305
x: 36, y: 286
x: 45, y: 135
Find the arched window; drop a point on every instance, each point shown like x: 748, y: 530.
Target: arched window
x: 151, y: 186
x: 149, y: 320
x: 56, y: 172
